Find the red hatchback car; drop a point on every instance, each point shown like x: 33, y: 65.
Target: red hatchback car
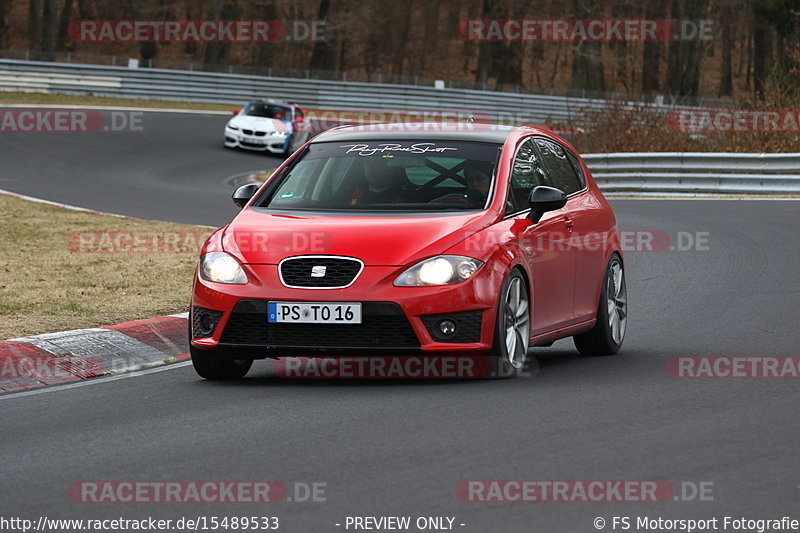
x: 466, y: 239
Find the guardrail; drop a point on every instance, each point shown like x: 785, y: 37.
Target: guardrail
x: 145, y: 83
x: 696, y: 173
x: 631, y: 173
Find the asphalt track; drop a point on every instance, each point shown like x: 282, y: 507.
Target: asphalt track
x: 401, y: 447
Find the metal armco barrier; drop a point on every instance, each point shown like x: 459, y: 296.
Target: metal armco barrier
x: 696, y: 173
x: 632, y: 173
x: 196, y: 86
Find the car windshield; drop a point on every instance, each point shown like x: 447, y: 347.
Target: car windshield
x: 387, y: 175
x: 258, y: 109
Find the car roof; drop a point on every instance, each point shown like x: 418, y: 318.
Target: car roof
x: 415, y: 131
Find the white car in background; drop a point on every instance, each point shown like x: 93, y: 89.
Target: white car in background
x: 264, y: 126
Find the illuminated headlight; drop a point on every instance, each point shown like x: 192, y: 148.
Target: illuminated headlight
x: 278, y: 134
x: 232, y: 127
x: 221, y: 268
x: 440, y: 270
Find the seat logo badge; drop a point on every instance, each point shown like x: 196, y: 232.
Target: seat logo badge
x: 318, y: 271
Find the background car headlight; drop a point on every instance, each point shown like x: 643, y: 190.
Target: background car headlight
x: 231, y: 126
x: 440, y: 270
x: 279, y: 134
x: 221, y: 268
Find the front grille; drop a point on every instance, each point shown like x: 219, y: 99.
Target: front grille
x: 247, y: 132
x: 260, y: 133
x: 338, y: 272
x: 384, y: 325
x: 468, y: 326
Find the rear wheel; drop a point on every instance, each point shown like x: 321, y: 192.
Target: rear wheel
x: 512, y: 329
x: 214, y: 367
x: 606, y: 337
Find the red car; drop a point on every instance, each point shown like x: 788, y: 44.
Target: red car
x: 466, y: 239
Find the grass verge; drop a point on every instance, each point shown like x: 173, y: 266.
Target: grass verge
x: 62, y: 269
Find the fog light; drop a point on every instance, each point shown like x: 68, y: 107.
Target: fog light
x: 447, y: 327
x: 207, y: 324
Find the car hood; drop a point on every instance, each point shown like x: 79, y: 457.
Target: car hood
x: 266, y: 238
x: 258, y: 123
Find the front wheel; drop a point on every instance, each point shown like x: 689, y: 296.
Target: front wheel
x: 214, y: 367
x: 606, y: 337
x: 512, y: 328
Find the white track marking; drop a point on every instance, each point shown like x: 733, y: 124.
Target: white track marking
x: 94, y: 381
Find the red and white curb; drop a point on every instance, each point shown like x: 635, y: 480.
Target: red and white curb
x: 67, y: 356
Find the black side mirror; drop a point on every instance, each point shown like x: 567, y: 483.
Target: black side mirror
x: 243, y: 194
x: 544, y: 199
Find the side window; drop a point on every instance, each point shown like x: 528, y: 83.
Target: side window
x: 295, y: 186
x: 577, y: 166
x: 526, y: 173
x: 561, y: 170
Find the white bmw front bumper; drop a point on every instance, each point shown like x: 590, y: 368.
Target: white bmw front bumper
x: 255, y: 140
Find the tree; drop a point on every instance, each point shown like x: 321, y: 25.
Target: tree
x: 34, y: 23
x: 323, y: 56
x: 5, y: 9
x: 49, y: 28
x: 587, y: 56
x: 684, y: 56
x: 652, y: 51
x: 217, y: 53
x: 63, y: 25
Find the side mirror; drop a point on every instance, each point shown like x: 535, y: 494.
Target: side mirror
x: 243, y: 194
x: 544, y: 199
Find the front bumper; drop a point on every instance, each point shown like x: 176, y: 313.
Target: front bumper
x: 262, y: 143
x: 396, y: 320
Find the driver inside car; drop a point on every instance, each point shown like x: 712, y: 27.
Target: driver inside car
x: 383, y: 184
x: 478, y: 179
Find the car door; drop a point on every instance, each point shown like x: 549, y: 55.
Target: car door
x: 581, y: 211
x: 550, y: 263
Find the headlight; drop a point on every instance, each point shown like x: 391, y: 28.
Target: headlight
x: 440, y: 270
x: 232, y: 127
x: 279, y: 134
x: 222, y: 268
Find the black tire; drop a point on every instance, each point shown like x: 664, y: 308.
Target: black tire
x: 600, y: 339
x: 502, y: 365
x: 214, y: 367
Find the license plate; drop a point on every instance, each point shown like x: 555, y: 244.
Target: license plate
x: 253, y: 140
x: 314, y: 312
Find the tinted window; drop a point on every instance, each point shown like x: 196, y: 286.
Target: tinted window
x: 577, y: 166
x: 562, y: 173
x: 258, y: 109
x: 387, y: 175
x: 526, y: 173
